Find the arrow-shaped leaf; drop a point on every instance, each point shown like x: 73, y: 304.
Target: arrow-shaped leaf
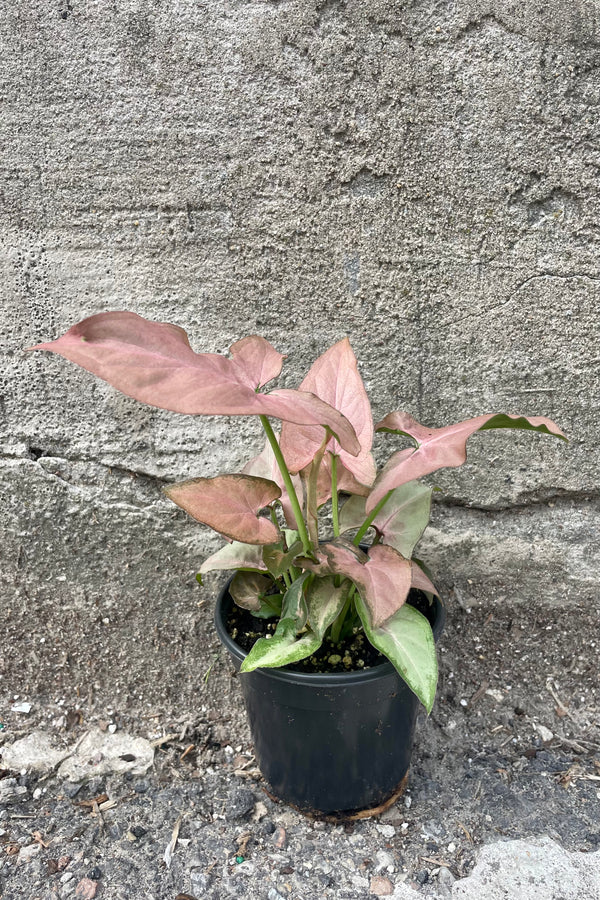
x: 402, y: 520
x: 279, y: 561
x: 334, y: 378
x: 407, y: 641
x: 251, y: 591
x: 230, y: 504
x: 383, y: 578
x: 437, y: 448
x: 294, y: 602
x: 282, y: 649
x: 325, y: 602
x: 235, y: 556
x: 154, y: 363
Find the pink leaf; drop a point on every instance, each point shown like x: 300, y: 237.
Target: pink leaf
x: 383, y: 578
x: 230, y: 504
x: 421, y: 581
x: 154, y: 363
x: 259, y: 359
x: 334, y: 378
x: 265, y: 466
x: 438, y: 448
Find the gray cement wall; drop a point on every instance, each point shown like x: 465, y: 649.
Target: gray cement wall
x: 419, y: 175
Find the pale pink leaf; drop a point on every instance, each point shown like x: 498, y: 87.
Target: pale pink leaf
x: 421, y: 581
x: 260, y: 360
x: 230, y: 504
x: 154, y: 363
x: 383, y: 577
x: 439, y: 448
x: 334, y: 378
x: 265, y: 466
x: 235, y: 556
x: 247, y: 589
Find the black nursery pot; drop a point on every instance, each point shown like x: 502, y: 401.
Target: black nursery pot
x: 329, y: 744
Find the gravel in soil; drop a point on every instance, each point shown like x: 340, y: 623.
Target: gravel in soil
x: 352, y: 653
x: 512, y: 749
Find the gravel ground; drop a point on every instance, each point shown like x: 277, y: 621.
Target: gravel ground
x: 511, y: 750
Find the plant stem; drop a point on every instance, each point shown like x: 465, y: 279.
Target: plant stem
x: 337, y: 625
x: 289, y: 486
x: 368, y: 521
x: 274, y: 518
x: 334, y: 497
x: 311, y: 477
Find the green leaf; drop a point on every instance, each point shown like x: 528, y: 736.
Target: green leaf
x: 282, y: 649
x: 407, y: 640
x: 247, y: 587
x: 236, y: 555
x: 291, y: 536
x: 278, y: 561
x: 402, y: 520
x: 294, y: 603
x: 325, y: 602
x: 250, y: 590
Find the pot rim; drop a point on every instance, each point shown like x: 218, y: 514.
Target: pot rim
x: 315, y: 679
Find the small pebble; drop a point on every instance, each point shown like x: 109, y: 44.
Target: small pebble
x: 240, y: 804
x: 381, y: 887
x: 280, y: 838
x: 26, y: 854
x: 199, y: 881
x: 86, y: 889
x: 70, y: 789
x: 245, y: 868
x: 66, y: 876
x: 37, y: 793
x: 445, y: 877
x: 274, y: 895
x: 386, y: 830
x: 95, y: 874
x: 384, y: 861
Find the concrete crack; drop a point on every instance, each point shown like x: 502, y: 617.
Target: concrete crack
x: 500, y: 306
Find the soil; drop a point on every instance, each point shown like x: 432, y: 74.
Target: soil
x: 512, y: 749
x: 352, y: 654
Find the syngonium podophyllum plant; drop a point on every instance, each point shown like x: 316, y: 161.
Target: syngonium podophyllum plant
x: 269, y: 513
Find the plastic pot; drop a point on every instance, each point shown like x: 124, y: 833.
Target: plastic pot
x: 334, y: 744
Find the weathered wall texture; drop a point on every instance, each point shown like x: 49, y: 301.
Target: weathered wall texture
x: 420, y: 175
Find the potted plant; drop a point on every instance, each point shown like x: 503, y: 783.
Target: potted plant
x: 339, y: 633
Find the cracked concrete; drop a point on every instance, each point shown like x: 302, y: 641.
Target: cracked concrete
x: 421, y: 177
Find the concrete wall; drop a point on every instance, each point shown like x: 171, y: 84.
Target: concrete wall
x: 422, y: 176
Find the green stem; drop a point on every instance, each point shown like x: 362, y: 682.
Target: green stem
x: 336, y: 628
x: 370, y: 518
x: 289, y: 486
x: 334, y: 497
x: 312, y: 511
x: 274, y: 518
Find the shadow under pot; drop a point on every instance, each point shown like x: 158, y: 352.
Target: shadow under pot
x: 330, y: 744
